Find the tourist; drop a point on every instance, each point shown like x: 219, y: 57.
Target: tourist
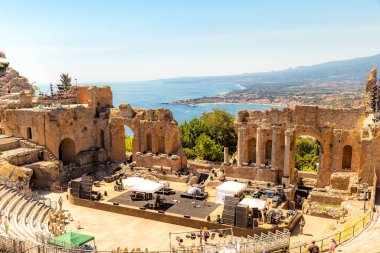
x: 332, y: 245
x: 218, y: 219
x: 302, y: 224
x: 313, y: 248
x: 60, y: 202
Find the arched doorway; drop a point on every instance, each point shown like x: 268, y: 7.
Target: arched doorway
x: 101, y: 138
x: 161, y: 144
x: 307, y: 153
x: 128, y: 143
x: 67, y: 151
x: 252, y: 150
x: 347, y: 157
x: 29, y: 133
x: 148, y: 142
x: 268, y: 151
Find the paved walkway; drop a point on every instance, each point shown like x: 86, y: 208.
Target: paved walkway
x: 112, y: 230
x: 369, y: 239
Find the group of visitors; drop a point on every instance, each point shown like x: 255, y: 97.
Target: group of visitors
x: 313, y: 248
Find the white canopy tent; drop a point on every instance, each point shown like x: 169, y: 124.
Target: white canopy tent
x: 147, y: 186
x: 254, y: 203
x: 229, y: 188
x: 132, y: 181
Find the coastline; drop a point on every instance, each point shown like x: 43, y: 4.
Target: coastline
x: 233, y: 103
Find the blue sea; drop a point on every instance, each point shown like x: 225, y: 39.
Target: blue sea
x: 156, y: 94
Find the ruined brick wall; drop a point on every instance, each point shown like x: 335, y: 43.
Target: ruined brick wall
x: 50, y: 127
x: 95, y: 131
x: 269, y: 137
x: 154, y: 131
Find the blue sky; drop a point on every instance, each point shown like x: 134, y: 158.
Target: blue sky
x: 141, y: 40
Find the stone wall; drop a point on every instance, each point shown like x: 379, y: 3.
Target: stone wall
x: 154, y: 131
x: 269, y: 137
x: 251, y: 173
x: 91, y: 131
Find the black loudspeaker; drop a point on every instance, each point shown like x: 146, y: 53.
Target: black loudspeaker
x: 142, y: 208
x: 115, y: 204
x: 160, y: 211
x: 187, y: 216
x: 255, y: 213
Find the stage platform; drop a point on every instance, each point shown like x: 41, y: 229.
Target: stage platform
x: 173, y: 204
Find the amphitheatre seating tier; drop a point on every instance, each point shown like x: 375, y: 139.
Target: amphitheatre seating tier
x: 25, y: 216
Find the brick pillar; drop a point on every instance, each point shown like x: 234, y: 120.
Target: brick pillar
x: 288, y: 142
x: 259, y: 144
x: 275, y: 136
x: 241, y: 136
x: 225, y: 155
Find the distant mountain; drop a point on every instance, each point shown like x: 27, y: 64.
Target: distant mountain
x: 344, y: 71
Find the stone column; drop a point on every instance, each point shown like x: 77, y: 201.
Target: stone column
x: 225, y: 155
x: 259, y: 142
x: 275, y: 136
x: 241, y: 135
x: 288, y: 142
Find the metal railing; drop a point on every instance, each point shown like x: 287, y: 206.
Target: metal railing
x: 340, y: 237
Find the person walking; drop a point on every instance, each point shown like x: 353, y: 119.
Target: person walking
x: 302, y: 225
x: 60, y: 202
x: 313, y: 248
x: 332, y: 245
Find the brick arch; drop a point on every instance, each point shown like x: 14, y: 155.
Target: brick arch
x: 154, y: 130
x: 323, y: 144
x: 66, y: 151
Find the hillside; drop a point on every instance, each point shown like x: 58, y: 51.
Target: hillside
x: 331, y: 84
x: 352, y: 70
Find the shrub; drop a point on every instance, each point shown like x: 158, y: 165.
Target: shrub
x: 4, y: 66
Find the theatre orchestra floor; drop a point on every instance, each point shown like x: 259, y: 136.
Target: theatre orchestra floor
x: 112, y: 230
x: 173, y: 204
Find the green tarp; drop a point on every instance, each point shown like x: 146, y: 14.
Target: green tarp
x: 71, y: 240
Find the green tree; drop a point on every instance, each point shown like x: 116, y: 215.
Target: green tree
x: 65, y: 79
x: 208, y: 149
x: 219, y: 125
x: 190, y: 131
x: 213, y: 130
x: 307, y: 151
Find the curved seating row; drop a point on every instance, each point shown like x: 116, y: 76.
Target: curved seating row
x: 26, y: 218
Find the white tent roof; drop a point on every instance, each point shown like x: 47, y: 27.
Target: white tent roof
x: 147, y: 186
x: 230, y: 187
x: 255, y: 202
x: 132, y: 181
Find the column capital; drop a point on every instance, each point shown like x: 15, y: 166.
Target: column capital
x: 242, y: 130
x: 289, y: 132
x: 260, y: 129
x: 276, y: 129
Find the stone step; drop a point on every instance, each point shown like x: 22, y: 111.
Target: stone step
x: 20, y: 156
x: 8, y: 144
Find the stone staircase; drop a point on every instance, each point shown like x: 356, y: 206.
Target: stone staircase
x: 47, y: 155
x: 27, y: 218
x: 35, y: 160
x: 12, y: 145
